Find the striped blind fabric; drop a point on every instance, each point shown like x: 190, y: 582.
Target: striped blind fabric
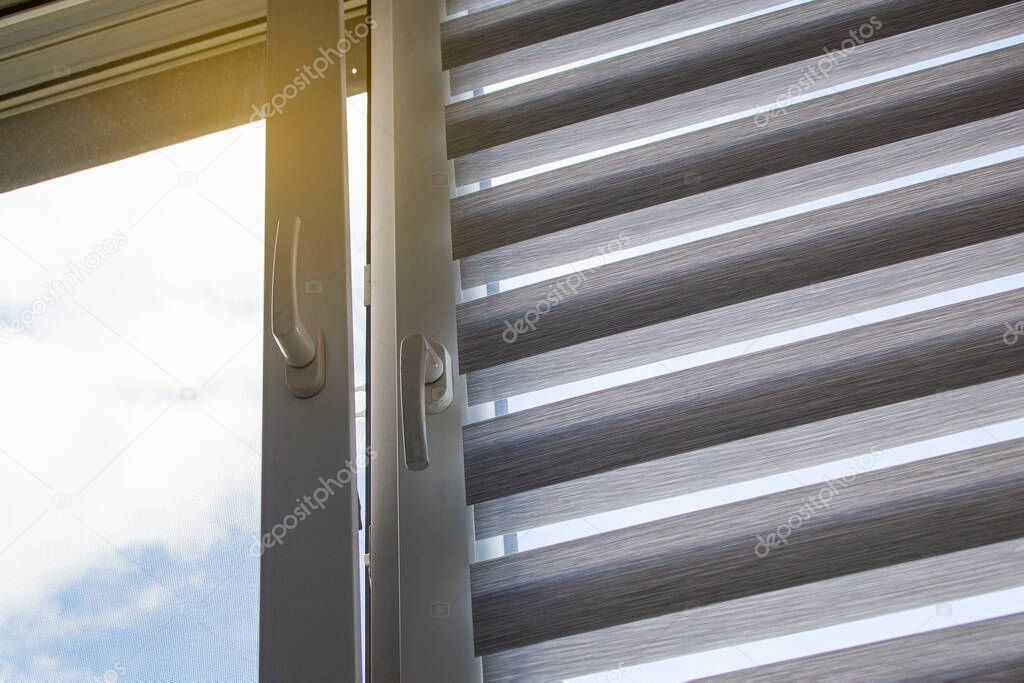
x: 708, y: 242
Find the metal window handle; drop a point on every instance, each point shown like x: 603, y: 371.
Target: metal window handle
x: 306, y: 369
x: 425, y: 386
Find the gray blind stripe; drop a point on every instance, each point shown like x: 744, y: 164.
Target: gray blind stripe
x: 840, y: 373
x: 763, y: 316
x: 990, y: 650
x: 600, y: 40
x: 890, y: 426
x: 873, y: 519
x: 848, y: 122
x: 748, y: 93
x: 813, y: 605
x: 689, y: 63
x: 750, y: 198
x: 509, y: 27
x: 841, y: 240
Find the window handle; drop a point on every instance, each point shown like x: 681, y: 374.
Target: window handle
x: 426, y: 386
x: 305, y: 367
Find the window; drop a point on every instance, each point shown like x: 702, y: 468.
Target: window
x: 130, y: 453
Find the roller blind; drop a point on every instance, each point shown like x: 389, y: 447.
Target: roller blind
x: 704, y: 243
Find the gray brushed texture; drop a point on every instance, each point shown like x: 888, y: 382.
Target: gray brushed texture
x: 770, y: 258
x: 851, y: 121
x: 567, y: 48
x: 836, y: 374
x: 745, y: 200
x: 846, y: 436
x: 767, y: 615
x: 874, y: 519
x: 689, y: 63
x: 749, y: 93
x: 990, y: 650
x: 510, y: 27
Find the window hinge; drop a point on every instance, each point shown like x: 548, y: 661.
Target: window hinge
x: 367, y: 280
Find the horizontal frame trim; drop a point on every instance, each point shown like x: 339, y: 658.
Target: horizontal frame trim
x: 132, y: 117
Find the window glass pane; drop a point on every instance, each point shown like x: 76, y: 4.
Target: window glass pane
x: 357, y: 143
x: 130, y: 349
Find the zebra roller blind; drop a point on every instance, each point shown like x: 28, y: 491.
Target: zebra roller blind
x: 743, y: 331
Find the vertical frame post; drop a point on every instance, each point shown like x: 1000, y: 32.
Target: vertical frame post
x: 309, y: 605
x: 421, y: 528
